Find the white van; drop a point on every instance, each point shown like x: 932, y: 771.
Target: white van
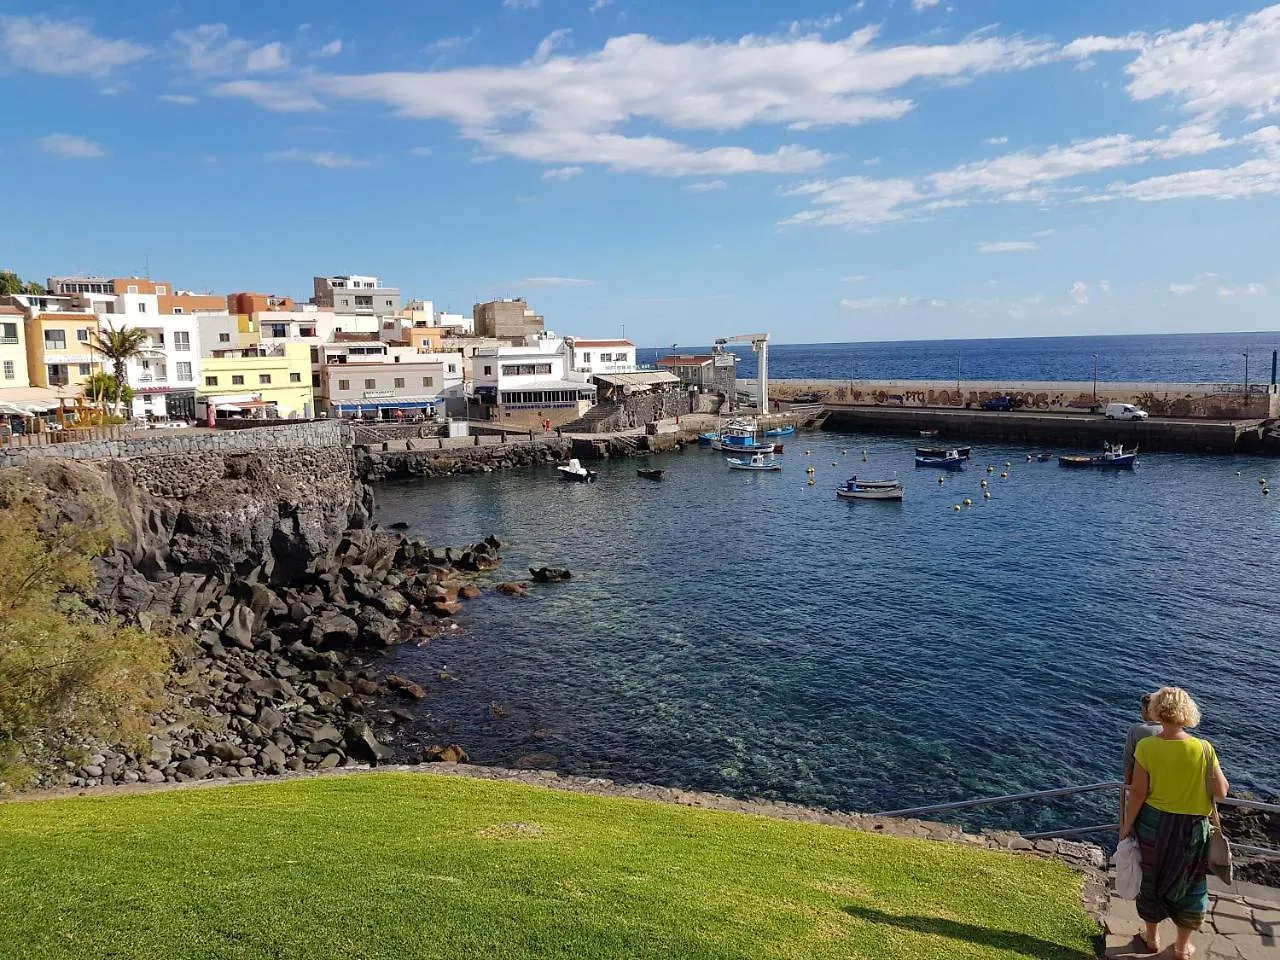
x: 1125, y: 411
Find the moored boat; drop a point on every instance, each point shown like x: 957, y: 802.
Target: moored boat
x: 961, y: 452
x: 855, y: 489
x: 1044, y: 457
x: 760, y: 461
x: 928, y: 434
x: 574, y: 470
x: 948, y: 460
x: 1113, y: 457
x: 785, y: 431
x: 708, y: 438
x: 651, y: 473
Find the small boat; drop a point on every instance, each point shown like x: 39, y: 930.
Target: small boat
x: 708, y: 438
x: 948, y: 460
x: 1044, y: 457
x: 928, y: 434
x: 961, y: 452
x: 855, y: 489
x: 576, y: 471
x: 1113, y: 457
x: 786, y: 431
x: 651, y: 473
x: 760, y: 461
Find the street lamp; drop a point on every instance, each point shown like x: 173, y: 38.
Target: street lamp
x: 1095, y: 379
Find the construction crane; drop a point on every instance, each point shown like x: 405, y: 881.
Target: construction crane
x: 760, y: 346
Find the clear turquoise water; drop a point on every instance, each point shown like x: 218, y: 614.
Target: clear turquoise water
x: 753, y: 635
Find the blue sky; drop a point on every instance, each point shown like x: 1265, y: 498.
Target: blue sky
x: 888, y: 169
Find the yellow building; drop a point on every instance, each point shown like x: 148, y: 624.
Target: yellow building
x: 58, y: 353
x: 257, y: 382
x: 13, y: 348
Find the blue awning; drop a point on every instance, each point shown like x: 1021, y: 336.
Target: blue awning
x: 386, y: 405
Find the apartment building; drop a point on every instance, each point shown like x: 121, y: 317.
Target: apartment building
x: 509, y: 320
x: 261, y: 382
x: 361, y: 375
x: 13, y: 348
x: 58, y: 347
x: 356, y: 295
x: 601, y: 356
x: 525, y: 385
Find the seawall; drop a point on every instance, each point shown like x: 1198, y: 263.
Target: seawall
x: 1087, y: 432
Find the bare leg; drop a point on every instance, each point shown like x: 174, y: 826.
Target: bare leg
x: 1182, y: 949
x: 1151, y: 937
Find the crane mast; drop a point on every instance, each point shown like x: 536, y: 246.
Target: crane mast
x: 760, y: 347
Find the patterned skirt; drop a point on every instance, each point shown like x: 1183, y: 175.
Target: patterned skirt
x: 1175, y: 867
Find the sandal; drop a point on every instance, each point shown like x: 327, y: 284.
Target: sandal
x: 1152, y: 947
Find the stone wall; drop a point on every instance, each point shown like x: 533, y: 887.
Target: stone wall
x: 639, y: 409
x: 318, y: 434
x: 375, y: 464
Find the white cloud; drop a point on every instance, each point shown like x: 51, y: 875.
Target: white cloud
x: 919, y: 5
x: 1245, y: 290
x: 1105, y: 287
x: 996, y: 141
x: 1182, y: 289
x: 321, y: 158
x: 331, y: 49
x: 68, y: 145
x: 597, y: 5
x: 272, y: 96
x: 61, y: 48
x: 210, y: 49
x: 421, y: 151
x: 1079, y: 293
x: 893, y: 303
x: 857, y: 277
x: 521, y: 4
x: 1007, y: 246
x: 853, y: 201
x: 554, y: 282
x: 561, y: 173
x: 547, y: 46
x: 571, y: 109
x: 706, y: 186
x: 182, y: 99
x: 799, y: 28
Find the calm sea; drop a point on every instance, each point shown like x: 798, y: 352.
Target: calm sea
x: 753, y: 635
x: 1177, y: 358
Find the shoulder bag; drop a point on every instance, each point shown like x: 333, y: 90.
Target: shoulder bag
x: 1220, y: 864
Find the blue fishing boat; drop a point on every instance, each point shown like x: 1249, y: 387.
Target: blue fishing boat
x: 945, y: 460
x: 1113, y: 457
x: 740, y: 437
x: 781, y: 431
x: 759, y: 461
x: 708, y: 438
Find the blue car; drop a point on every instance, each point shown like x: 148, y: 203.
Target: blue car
x: 998, y: 403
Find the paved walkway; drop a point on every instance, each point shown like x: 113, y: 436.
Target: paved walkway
x: 1243, y: 924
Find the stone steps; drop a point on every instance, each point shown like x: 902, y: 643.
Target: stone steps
x: 1243, y: 924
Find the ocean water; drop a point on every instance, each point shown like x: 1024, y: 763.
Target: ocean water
x: 1167, y: 358
x: 753, y: 635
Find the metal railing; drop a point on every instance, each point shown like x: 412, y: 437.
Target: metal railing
x: 1107, y: 785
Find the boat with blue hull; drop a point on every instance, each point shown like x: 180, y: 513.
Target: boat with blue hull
x: 855, y: 489
x: 786, y: 431
x: 1113, y: 457
x: 759, y: 462
x: 948, y: 460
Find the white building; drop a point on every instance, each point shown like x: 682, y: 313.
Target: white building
x: 525, y: 385
x: 360, y: 375
x: 601, y: 356
x: 356, y: 295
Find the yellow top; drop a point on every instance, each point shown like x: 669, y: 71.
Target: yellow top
x: 1177, y: 772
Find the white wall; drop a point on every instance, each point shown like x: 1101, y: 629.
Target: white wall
x: 590, y: 359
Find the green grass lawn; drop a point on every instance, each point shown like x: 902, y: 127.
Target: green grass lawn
x: 410, y: 867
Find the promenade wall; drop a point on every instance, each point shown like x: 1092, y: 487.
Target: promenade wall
x: 1210, y: 401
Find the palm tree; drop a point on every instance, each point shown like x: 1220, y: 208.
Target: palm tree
x: 103, y: 387
x: 119, y: 346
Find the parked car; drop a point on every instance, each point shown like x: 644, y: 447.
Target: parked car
x: 1124, y: 411
x: 998, y: 403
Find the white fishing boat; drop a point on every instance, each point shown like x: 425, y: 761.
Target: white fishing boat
x: 760, y: 461
x: 577, y: 472
x: 855, y: 489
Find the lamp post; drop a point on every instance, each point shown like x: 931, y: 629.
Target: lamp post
x: 1095, y: 379
x: 957, y: 373
x: 1246, y: 376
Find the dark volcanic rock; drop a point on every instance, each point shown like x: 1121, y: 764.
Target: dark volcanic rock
x: 550, y: 574
x: 452, y: 753
x: 405, y: 686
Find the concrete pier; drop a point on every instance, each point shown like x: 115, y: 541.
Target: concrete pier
x: 1084, y: 431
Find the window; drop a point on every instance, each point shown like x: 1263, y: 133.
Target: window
x: 279, y: 330
x: 399, y: 383
x: 315, y: 354
x: 488, y: 370
x: 142, y: 307
x: 306, y: 331
x: 182, y: 340
x: 453, y: 368
x: 371, y: 384
x: 132, y: 288
x: 237, y: 380
x: 264, y: 378
x: 295, y: 378
x: 364, y: 302
x: 344, y: 384
x: 428, y: 381
x: 517, y: 369
x: 85, y: 369
x: 224, y: 338
x: 586, y: 357
x: 184, y: 369
x: 210, y: 381
x: 8, y: 370
x: 55, y: 339
x: 82, y: 335
x: 315, y: 381
x: 177, y: 310
x: 161, y: 290
x: 346, y: 301
x: 8, y: 333
x: 146, y: 400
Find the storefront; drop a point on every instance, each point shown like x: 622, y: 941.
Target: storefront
x: 390, y: 409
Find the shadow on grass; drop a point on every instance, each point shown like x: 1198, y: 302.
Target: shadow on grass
x: 1019, y: 943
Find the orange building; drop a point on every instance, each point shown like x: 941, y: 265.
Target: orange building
x: 247, y: 304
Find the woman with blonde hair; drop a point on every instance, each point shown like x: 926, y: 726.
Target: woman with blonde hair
x: 1169, y: 809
